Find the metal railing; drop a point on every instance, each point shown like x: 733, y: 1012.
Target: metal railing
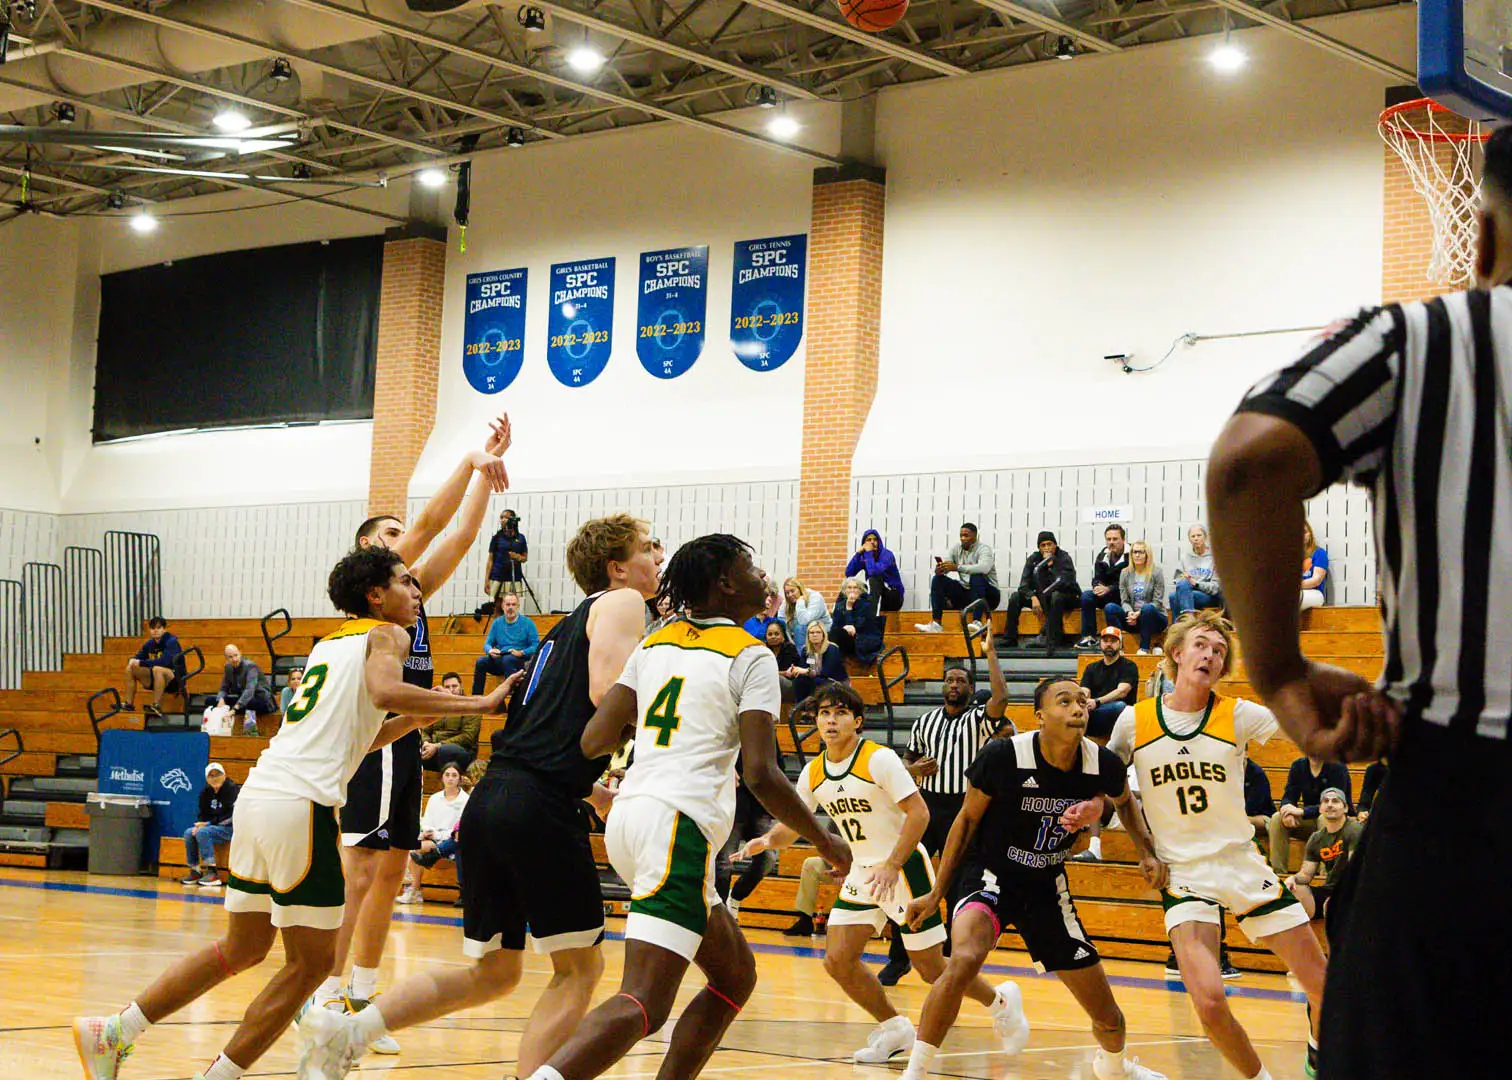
x: 95, y: 719
x: 12, y: 633
x: 189, y: 673
x: 7, y: 756
x: 983, y: 614
x: 800, y: 739
x: 279, y: 663
x: 42, y: 584
x: 83, y: 600
x: 887, y: 684
x: 134, y: 581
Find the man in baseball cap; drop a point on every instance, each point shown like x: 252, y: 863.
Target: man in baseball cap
x: 212, y: 826
x: 1328, y: 852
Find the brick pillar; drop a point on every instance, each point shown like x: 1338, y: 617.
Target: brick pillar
x: 409, y: 354
x: 844, y: 313
x: 1407, y: 229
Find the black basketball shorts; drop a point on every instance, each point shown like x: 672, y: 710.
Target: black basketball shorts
x: 1038, y: 905
x: 529, y: 868
x: 382, y: 810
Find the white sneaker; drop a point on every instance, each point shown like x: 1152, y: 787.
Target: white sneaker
x: 1009, y: 1023
x: 929, y: 628
x: 1143, y: 652
x: 1102, y: 1068
x: 734, y: 907
x: 384, y: 1044
x: 1158, y: 651
x: 887, y: 1041
x: 101, y: 1050
x: 411, y: 895
x: 327, y: 1045
x: 974, y: 627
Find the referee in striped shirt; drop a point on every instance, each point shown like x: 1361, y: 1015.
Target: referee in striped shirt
x: 941, y: 747
x: 1413, y: 401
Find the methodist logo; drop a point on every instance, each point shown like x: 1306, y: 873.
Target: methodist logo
x: 176, y: 780
x: 127, y: 776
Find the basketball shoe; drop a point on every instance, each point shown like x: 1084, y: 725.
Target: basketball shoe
x: 101, y: 1047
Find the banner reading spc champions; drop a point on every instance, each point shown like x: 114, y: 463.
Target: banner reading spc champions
x: 766, y: 300
x: 672, y: 303
x: 493, y: 330
x: 581, y: 327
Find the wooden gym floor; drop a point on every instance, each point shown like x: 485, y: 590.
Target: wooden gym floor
x: 71, y: 944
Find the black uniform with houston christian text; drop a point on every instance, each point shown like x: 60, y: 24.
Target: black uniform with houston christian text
x: 1016, y: 868
x: 523, y: 840
x: 382, y: 810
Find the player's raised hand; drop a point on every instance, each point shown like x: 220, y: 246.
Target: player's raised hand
x: 882, y: 879
x: 1155, y: 872
x: 493, y: 704
x: 1336, y: 715
x: 921, y: 908
x: 837, y: 853
x: 500, y: 437
x: 752, y: 848
x: 1082, y: 814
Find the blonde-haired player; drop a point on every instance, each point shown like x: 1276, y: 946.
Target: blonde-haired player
x: 1189, y: 749
x: 869, y: 795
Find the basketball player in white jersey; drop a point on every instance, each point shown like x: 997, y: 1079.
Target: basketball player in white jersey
x: 693, y: 695
x: 381, y: 822
x: 867, y: 791
x: 1189, y: 749
x: 285, y: 855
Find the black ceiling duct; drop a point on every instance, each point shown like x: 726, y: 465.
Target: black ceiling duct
x: 435, y: 7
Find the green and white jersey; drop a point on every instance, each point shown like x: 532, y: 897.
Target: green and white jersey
x: 329, y: 726
x: 692, y: 680
x: 861, y: 796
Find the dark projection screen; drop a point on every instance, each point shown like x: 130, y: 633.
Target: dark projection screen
x: 272, y: 335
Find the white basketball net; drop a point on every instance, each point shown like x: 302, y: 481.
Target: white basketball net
x: 1443, y: 164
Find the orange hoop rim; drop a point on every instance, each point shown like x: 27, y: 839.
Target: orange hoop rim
x: 1391, y: 120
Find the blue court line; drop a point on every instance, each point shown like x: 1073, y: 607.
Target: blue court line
x: 1137, y: 982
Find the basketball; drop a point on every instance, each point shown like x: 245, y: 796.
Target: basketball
x: 873, y: 15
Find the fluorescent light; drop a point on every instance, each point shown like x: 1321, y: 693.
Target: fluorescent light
x: 231, y: 120
x: 783, y: 126
x: 585, y: 59
x: 143, y: 222
x: 431, y: 178
x: 1227, y: 58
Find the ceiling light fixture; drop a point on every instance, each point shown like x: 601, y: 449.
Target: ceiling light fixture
x: 143, y: 222
x: 1065, y: 48
x: 231, y: 120
x: 431, y: 178
x: 766, y: 97
x: 782, y: 126
x: 1227, y: 57
x: 280, y: 71
x: 515, y: 138
x: 585, y: 59
x: 64, y: 113
x: 116, y: 201
x: 533, y: 19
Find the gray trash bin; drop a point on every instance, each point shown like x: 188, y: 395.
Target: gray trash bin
x: 117, y: 828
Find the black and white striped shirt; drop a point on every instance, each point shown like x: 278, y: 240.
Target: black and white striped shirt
x: 953, y: 741
x: 1412, y: 401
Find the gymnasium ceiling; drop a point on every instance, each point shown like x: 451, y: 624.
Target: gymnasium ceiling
x: 377, y: 90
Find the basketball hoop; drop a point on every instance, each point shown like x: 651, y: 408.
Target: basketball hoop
x: 1441, y: 159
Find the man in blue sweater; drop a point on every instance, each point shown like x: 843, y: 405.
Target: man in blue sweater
x: 157, y: 666
x: 512, y: 640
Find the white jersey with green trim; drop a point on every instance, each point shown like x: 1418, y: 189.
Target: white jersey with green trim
x: 329, y: 726
x: 861, y: 796
x: 692, y: 680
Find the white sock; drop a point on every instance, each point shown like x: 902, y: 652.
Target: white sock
x: 329, y: 990
x: 133, y: 1023
x: 1110, y: 1062
x: 1263, y: 1074
x: 920, y: 1059
x: 370, y: 1026
x: 224, y: 1069
x: 545, y: 1072
x: 1095, y: 847
x: 364, y: 982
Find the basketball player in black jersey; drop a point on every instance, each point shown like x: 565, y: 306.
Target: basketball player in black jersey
x: 523, y: 840
x: 381, y: 820
x: 1026, y: 799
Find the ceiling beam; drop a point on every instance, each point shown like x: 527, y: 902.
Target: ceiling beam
x: 1322, y: 41
x: 1025, y: 14
x: 842, y: 29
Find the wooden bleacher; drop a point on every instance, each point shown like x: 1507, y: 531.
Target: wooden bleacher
x: 1114, y: 904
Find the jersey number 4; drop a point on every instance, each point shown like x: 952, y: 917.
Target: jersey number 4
x: 309, y: 694
x: 662, y: 715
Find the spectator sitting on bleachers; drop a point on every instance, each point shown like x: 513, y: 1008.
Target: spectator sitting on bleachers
x: 814, y: 873
x: 1195, y: 583
x: 157, y: 666
x: 1111, y: 562
x: 296, y: 676
x: 1113, y: 683
x: 1314, y: 569
x: 507, y: 555
x: 757, y: 625
x: 820, y: 662
x: 801, y: 606
x: 1048, y: 584
x: 217, y: 800
x: 512, y: 640
x: 438, y: 830
x: 242, y: 690
x: 1328, y: 849
x: 1141, y: 598
x: 451, y: 740
x: 974, y: 562
x: 1298, y: 817
x: 783, y: 650
x: 856, y: 628
x: 1370, y: 787
x: 879, y: 567
x: 1259, y: 806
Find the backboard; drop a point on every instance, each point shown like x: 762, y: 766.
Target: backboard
x: 1465, y: 56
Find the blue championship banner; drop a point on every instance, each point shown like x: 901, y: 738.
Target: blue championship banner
x: 493, y: 330
x: 766, y: 300
x: 673, y: 301
x: 167, y: 768
x: 580, y: 332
